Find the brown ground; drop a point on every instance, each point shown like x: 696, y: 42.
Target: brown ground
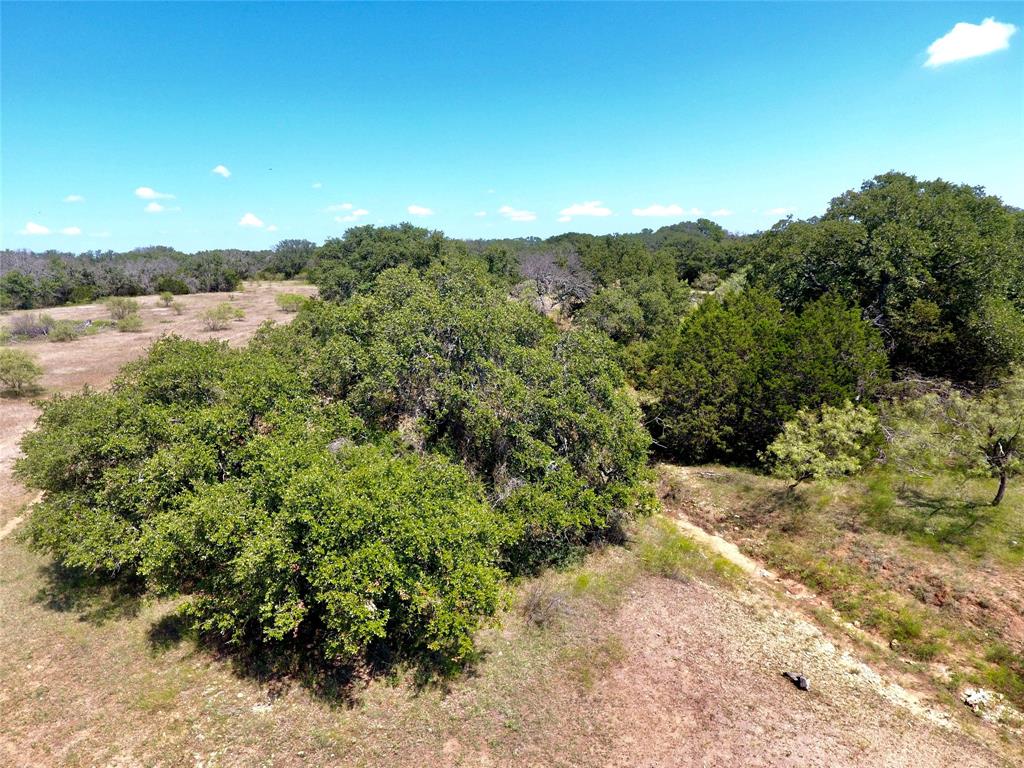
x: 641, y: 670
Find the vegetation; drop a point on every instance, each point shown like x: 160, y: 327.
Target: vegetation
x: 831, y: 442
x: 220, y: 316
x: 130, y: 324
x: 362, y: 479
x: 739, y: 367
x: 936, y: 267
x: 120, y: 307
x: 19, y: 370
x: 290, y: 302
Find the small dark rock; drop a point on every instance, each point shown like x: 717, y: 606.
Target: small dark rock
x: 798, y: 680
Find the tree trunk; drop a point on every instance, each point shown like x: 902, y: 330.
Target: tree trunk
x: 1001, y: 491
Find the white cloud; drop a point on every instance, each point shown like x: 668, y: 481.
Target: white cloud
x: 722, y: 212
x: 340, y: 207
x: 591, y: 208
x: 354, y: 216
x: 74, y: 199
x: 480, y: 214
x: 221, y: 170
x: 31, y: 228
x: 71, y: 231
x: 272, y: 228
x: 251, y: 220
x: 564, y: 218
x: 780, y: 211
x: 317, y: 184
x: 154, y: 208
x: 660, y: 210
x: 419, y: 210
x: 513, y: 214
x: 966, y: 41
x: 148, y: 193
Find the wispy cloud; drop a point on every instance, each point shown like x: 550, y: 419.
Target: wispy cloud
x: 357, y: 214
x: 419, y: 210
x: 480, y: 214
x: 781, y: 211
x: 31, y: 228
x: 148, y: 193
x: 514, y: 214
x: 659, y: 210
x: 591, y: 208
x: 71, y: 231
x: 722, y: 212
x: 251, y: 220
x: 154, y: 207
x: 74, y: 199
x: 967, y: 41
x: 340, y: 207
x: 221, y: 170
x: 564, y: 219
x: 272, y: 228
x: 317, y: 184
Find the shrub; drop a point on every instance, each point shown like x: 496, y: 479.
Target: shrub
x: 178, y: 307
x: 5, y: 336
x: 366, y: 476
x: 831, y: 442
x: 290, y: 302
x: 121, y: 307
x: 64, y: 330
x: 19, y: 370
x: 739, y: 367
x: 166, y: 298
x: 130, y: 324
x: 31, y: 325
x: 219, y: 317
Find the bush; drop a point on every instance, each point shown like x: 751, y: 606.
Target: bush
x: 166, y: 298
x: 64, y: 330
x: 739, y: 367
x: 19, y: 370
x: 121, y: 307
x: 5, y: 336
x: 290, y: 302
x: 365, y: 477
x: 130, y: 324
x: 832, y: 442
x: 219, y: 317
x: 31, y: 325
x: 178, y: 307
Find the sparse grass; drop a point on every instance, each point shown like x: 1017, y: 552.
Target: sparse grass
x: 590, y: 662
x: 663, y: 550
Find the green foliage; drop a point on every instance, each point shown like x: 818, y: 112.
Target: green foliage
x: 19, y: 370
x: 935, y: 266
x: 831, y: 442
x: 291, y: 257
x: 130, y: 324
x: 350, y: 263
x: 30, y: 325
x: 166, y: 298
x: 364, y: 477
x: 121, y: 307
x: 739, y: 367
x: 980, y: 434
x: 220, y: 316
x: 63, y: 330
x: 290, y: 302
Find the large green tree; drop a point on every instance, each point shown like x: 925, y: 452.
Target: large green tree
x: 935, y: 266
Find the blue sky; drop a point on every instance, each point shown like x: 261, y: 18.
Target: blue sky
x: 485, y: 120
